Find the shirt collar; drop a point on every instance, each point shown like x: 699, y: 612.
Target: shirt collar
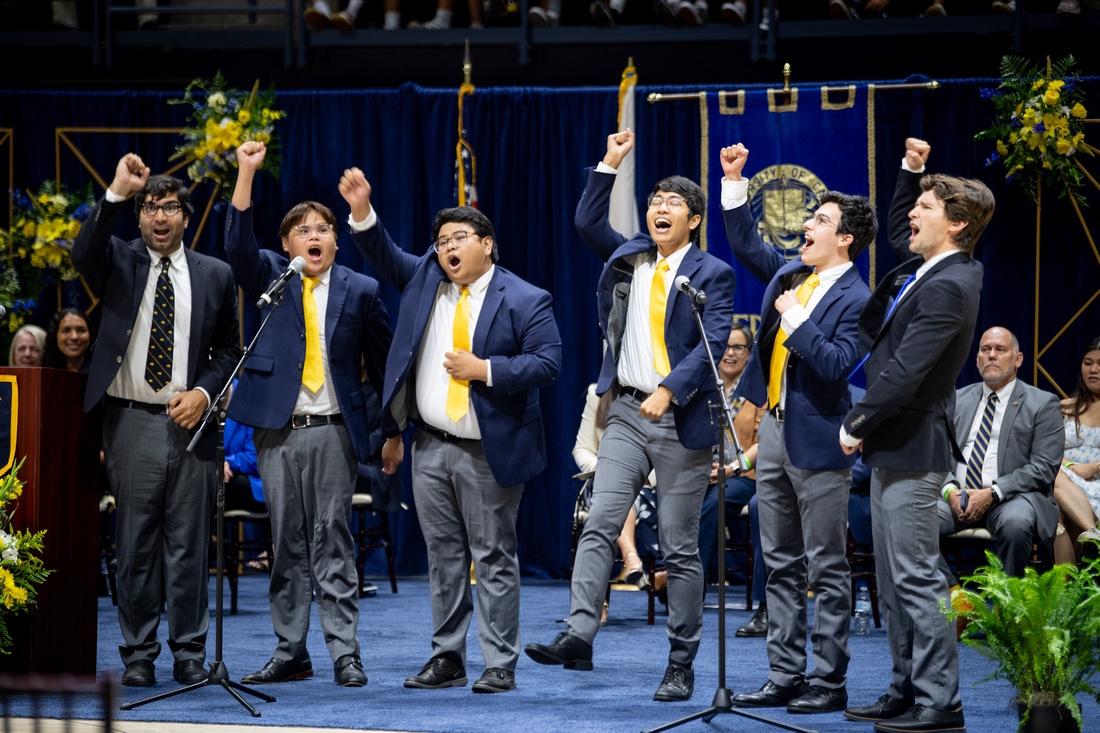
x: 929, y: 264
x: 177, y: 258
x: 479, y: 286
x: 1002, y: 394
x: 827, y: 277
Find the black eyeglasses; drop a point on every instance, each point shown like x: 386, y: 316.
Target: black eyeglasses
x: 737, y: 348
x: 170, y: 208
x: 459, y: 239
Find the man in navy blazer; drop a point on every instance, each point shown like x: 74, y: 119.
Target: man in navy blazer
x: 474, y: 344
x: 917, y: 329
x: 302, y: 390
x: 661, y: 418
x: 807, y: 346
x: 164, y: 493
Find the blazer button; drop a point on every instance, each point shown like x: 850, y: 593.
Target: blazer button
x: 299, y: 367
x: 128, y: 331
x: 118, y: 359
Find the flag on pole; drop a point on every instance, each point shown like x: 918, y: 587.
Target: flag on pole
x: 623, y: 212
x: 465, y: 160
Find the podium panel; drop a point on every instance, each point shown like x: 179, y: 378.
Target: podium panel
x: 61, y: 495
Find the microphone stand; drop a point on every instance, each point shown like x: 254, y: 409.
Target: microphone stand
x: 722, y: 702
x: 219, y: 674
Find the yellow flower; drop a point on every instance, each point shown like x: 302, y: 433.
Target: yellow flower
x: 1051, y: 96
x: 1035, y: 140
x: 1063, y: 146
x: 1013, y: 137
x: 74, y: 229
x: 1078, y: 138
x: 263, y: 137
x: 1029, y: 117
x: 244, y: 116
x: 1002, y: 149
x: 1056, y: 84
x: 1078, y: 111
x: 1047, y: 165
x: 28, y: 229
x: 6, y: 578
x: 43, y: 198
x: 1038, y: 84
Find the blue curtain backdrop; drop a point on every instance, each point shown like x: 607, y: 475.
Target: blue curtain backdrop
x: 532, y: 146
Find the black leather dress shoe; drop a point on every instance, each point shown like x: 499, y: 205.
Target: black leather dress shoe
x: 925, y: 720
x: 348, y: 671
x: 757, y: 626
x: 678, y: 684
x: 438, y: 673
x: 139, y: 673
x: 770, y: 695
x: 818, y: 699
x: 566, y: 650
x: 884, y: 708
x: 189, y: 672
x: 495, y: 679
x: 278, y: 670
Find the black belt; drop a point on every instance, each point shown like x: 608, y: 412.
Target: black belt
x: 444, y: 435
x: 777, y: 413
x: 313, y: 421
x: 135, y: 405
x: 635, y: 393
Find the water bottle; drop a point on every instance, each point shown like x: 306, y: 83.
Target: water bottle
x: 862, y: 625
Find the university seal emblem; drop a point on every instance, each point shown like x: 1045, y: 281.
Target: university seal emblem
x: 781, y: 199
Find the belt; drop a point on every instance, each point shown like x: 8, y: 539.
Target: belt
x: 777, y: 413
x: 635, y: 393
x: 135, y: 405
x: 444, y: 435
x: 313, y: 421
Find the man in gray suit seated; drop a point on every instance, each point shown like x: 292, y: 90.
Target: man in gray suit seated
x: 1011, y: 437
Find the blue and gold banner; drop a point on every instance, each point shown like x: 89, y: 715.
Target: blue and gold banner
x: 9, y: 419
x: 802, y: 142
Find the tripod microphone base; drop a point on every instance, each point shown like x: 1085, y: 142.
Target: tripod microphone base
x: 723, y: 703
x: 219, y: 676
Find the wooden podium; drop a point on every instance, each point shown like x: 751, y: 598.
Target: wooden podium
x: 61, y: 495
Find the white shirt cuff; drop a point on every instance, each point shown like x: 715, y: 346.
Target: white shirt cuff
x: 848, y: 440
x: 795, y: 316
x: 905, y: 167
x: 362, y: 226
x: 488, y: 372
x: 113, y: 197
x: 602, y: 167
x: 205, y: 393
x: 734, y: 193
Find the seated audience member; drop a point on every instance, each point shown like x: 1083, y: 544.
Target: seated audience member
x: 1077, y: 485
x: 444, y: 12
x: 319, y: 16
x: 739, y: 489
x: 593, y: 422
x: 938, y: 8
x: 544, y: 14
x: 27, y: 347
x: 67, y: 341
x: 607, y: 13
x: 1011, y: 439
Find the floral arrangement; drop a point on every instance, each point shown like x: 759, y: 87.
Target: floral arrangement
x: 36, y: 250
x: 21, y: 567
x: 222, y: 119
x: 1038, y: 126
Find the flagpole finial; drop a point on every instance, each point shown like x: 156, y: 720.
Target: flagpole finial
x: 629, y: 60
x: 786, y: 77
x: 467, y: 65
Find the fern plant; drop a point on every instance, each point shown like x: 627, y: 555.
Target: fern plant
x: 1041, y: 629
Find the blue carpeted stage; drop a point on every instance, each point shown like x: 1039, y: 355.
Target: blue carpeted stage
x: 394, y: 631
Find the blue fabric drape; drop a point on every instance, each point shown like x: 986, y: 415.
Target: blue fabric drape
x: 532, y: 146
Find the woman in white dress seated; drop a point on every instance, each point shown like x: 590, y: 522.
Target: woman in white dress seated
x: 1077, y: 485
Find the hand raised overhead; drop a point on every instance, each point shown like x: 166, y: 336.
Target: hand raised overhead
x: 618, y: 145
x: 356, y: 191
x: 733, y: 160
x: 916, y: 153
x: 131, y: 173
x: 250, y: 155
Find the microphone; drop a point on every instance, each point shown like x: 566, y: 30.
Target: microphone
x: 684, y: 286
x: 275, y: 289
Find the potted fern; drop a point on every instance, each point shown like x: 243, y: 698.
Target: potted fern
x: 1042, y: 629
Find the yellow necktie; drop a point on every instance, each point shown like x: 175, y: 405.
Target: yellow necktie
x: 458, y: 390
x: 313, y: 376
x: 658, y: 298
x: 779, y: 352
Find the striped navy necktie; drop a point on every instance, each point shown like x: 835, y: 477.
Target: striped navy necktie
x: 158, y: 367
x: 981, y: 445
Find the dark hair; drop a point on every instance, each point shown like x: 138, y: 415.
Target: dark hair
x: 298, y: 214
x: 693, y: 195
x: 52, y: 356
x: 157, y: 187
x: 466, y: 215
x: 745, y: 331
x: 1081, y: 397
x: 857, y: 218
x: 965, y: 200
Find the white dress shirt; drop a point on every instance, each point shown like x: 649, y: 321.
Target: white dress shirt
x: 324, y: 402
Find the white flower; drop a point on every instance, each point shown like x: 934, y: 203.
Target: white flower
x: 10, y: 555
x: 5, y: 538
x: 217, y: 99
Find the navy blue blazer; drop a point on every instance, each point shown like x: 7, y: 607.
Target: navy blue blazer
x: 116, y: 272
x: 915, y: 356
x: 515, y: 331
x: 691, y: 379
x: 823, y: 350
x: 356, y: 332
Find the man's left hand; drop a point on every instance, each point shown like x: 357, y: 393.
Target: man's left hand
x: 656, y: 404
x: 978, y: 503
x: 186, y: 408
x: 464, y: 366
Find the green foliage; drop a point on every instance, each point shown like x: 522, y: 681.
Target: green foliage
x: 1041, y: 629
x: 21, y: 567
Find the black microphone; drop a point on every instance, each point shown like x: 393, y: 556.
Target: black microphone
x: 684, y: 286
x: 276, y: 287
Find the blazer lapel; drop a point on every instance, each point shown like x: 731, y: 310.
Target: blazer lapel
x: 688, y: 267
x: 197, y: 273
x: 338, y: 288
x: 142, y: 263
x: 1012, y: 410
x: 494, y: 296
